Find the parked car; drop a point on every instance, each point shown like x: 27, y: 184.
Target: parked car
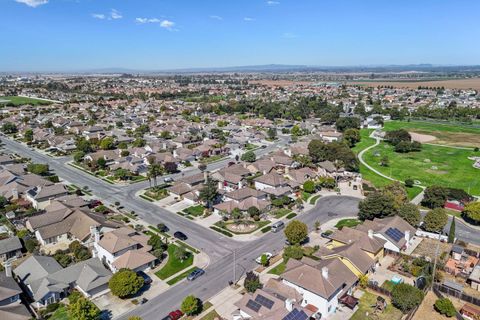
x: 162, y: 227
x: 143, y: 301
x: 231, y: 163
x: 263, y: 146
x: 195, y: 274
x: 168, y: 179
x: 259, y: 259
x: 174, y: 315
x: 146, y: 277
x: 304, y: 241
x: 180, y: 235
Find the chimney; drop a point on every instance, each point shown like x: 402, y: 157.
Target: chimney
x: 325, y: 272
x: 289, y: 304
x: 8, y: 268
x: 370, y: 234
x: 407, y: 236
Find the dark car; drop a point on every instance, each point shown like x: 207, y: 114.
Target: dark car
x: 195, y: 274
x: 304, y: 241
x: 146, y: 278
x: 180, y: 235
x: 162, y: 227
x: 143, y: 301
x: 231, y: 163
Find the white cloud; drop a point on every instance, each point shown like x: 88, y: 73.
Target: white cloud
x: 272, y: 3
x: 248, y: 19
x: 33, y: 3
x: 114, y: 14
x: 98, y: 16
x: 167, y: 24
x: 147, y: 20
x: 216, y: 17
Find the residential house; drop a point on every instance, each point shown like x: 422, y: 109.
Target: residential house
x: 232, y: 177
x: 41, y: 196
x: 273, y: 184
x: 11, y: 307
x: 124, y: 248
x: 46, y: 282
x: 10, y: 248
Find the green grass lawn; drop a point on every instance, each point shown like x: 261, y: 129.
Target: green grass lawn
x: 433, y: 165
x: 347, y: 223
x: 314, y: 199
x: 194, y: 210
x: 18, y: 101
x: 365, y: 305
x: 413, y: 192
x: 181, y: 276
x: 212, y: 315
x: 305, y: 195
x: 430, y: 126
x: 60, y: 314
x: 365, y: 140
x: 280, y: 213
x: 278, y: 269
x: 173, y: 264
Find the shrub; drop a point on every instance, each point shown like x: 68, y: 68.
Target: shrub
x: 445, y: 306
x: 125, y: 283
x: 406, y: 297
x: 409, y: 183
x: 295, y: 252
x: 252, y: 282
x: 266, y: 229
x: 190, y: 305
x: 83, y: 309
x: 31, y: 245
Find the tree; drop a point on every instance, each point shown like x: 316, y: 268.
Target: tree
x: 403, y: 147
x: 107, y: 143
x: 83, y: 309
x: 352, y: 137
x: 31, y: 245
x: 209, y: 192
x: 28, y: 135
x: 253, y: 211
x: 410, y: 213
x: 376, y: 205
x: 409, y: 183
x: 344, y: 123
x: 385, y: 162
x: 252, y: 282
x: 83, y: 145
x: 296, y: 131
x: 190, y: 305
x: 435, y: 197
x: 397, y: 191
x: 451, y: 232
x: 249, y: 156
x: 363, y: 281
x: 264, y: 260
x: 472, y: 211
x: 9, y: 128
x: 435, y: 220
x: 102, y: 163
x: 396, y: 136
x: 125, y: 283
x: 3, y: 202
x: 317, y: 150
x: 272, y: 133
x: 406, y: 297
x: 309, y: 186
x: 78, y: 156
x: 139, y: 143
x: 295, y: 252
x: 296, y: 231
x: 121, y: 174
x: 445, y: 306
x: 38, y: 168
x: 170, y: 167
x: 180, y: 253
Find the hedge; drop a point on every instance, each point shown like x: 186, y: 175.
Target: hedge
x: 224, y: 232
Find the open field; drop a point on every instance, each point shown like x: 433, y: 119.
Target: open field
x: 433, y: 165
x: 279, y: 83
x: 448, y: 134
x: 18, y: 101
x: 473, y: 83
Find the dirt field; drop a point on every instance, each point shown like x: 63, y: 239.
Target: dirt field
x: 456, y: 139
x: 427, y: 311
x: 450, y: 84
x: 428, y: 247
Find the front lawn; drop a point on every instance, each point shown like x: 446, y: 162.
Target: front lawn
x: 181, y: 276
x: 347, y: 223
x: 280, y: 213
x: 278, y: 269
x: 212, y: 159
x: 60, y: 314
x: 235, y: 226
x: 195, y: 211
x: 173, y: 264
x: 366, y: 306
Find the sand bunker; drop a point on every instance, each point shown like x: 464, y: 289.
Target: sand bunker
x: 422, y: 138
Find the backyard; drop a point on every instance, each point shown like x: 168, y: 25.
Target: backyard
x: 366, y: 308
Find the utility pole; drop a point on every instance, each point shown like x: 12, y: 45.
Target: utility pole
x: 435, y: 261
x: 234, y: 267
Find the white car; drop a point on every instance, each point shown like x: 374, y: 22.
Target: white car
x: 267, y: 254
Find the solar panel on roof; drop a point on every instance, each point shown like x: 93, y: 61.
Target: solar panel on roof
x: 253, y: 305
x: 394, y: 233
x: 295, y: 314
x: 267, y: 303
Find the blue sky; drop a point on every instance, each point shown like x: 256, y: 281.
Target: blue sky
x: 64, y: 35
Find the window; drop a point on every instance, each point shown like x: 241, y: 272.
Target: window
x: 329, y: 309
